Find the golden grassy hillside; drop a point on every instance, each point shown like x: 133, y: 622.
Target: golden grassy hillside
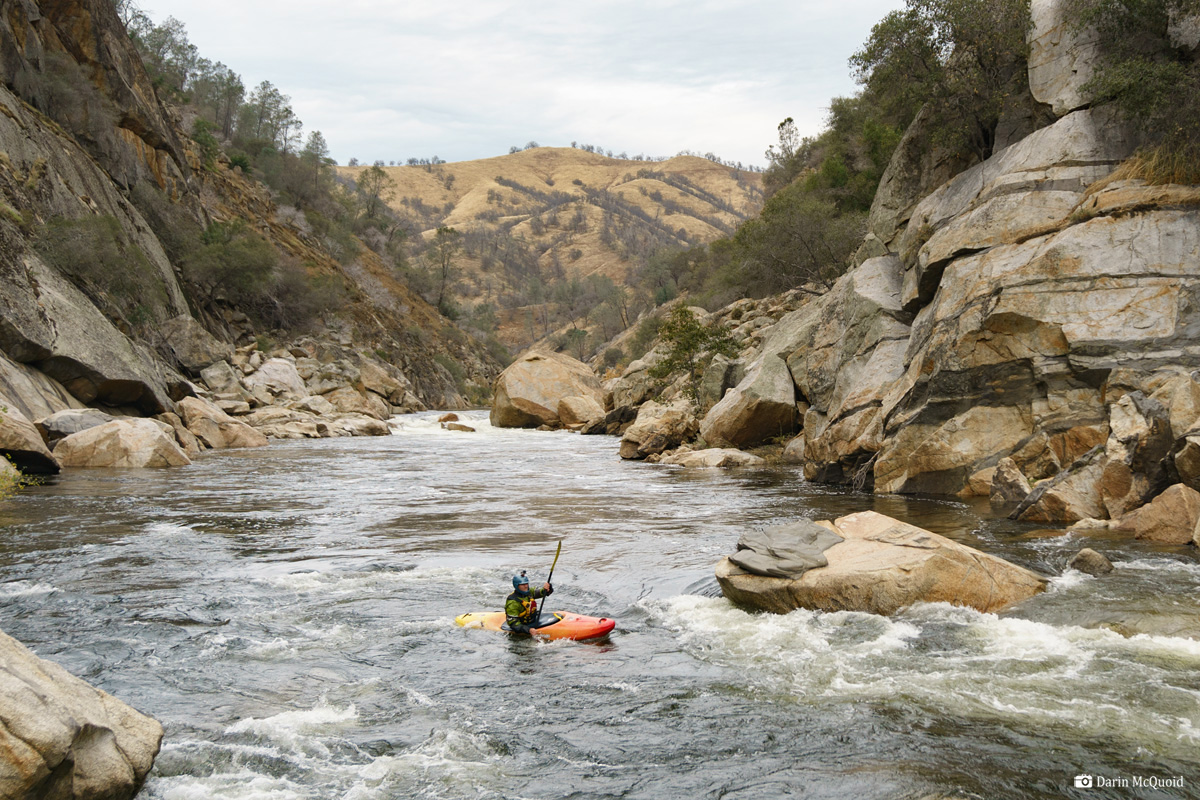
x: 531, y: 219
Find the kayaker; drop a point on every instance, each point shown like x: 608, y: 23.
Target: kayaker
x: 520, y: 607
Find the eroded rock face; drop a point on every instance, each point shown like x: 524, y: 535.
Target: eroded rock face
x: 528, y: 392
x: 1062, y: 57
x: 127, y: 443
x: 1026, y: 190
x: 881, y: 566
x: 64, y: 738
x: 1003, y: 339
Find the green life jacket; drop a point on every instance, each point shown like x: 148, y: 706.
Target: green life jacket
x: 521, y: 609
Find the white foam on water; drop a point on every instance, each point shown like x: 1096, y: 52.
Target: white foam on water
x: 278, y: 648
x: 975, y: 665
x: 1070, y: 579
x: 298, y: 731
x: 243, y: 785
x: 343, y: 583
x: 25, y: 589
x: 426, y: 424
x: 1161, y: 565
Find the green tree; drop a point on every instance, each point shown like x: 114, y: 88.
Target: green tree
x: 232, y: 261
x: 441, y: 258
x: 959, y: 59
x: 315, y: 158
x: 1153, y: 79
x: 691, y: 346
x: 376, y: 188
x: 799, y: 240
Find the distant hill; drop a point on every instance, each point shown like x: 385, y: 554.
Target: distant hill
x: 537, y: 218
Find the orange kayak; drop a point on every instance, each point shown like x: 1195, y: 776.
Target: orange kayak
x: 568, y: 626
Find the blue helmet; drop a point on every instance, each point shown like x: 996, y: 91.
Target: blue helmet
x: 520, y: 580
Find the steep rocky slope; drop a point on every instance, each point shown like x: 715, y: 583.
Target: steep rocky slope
x: 86, y: 147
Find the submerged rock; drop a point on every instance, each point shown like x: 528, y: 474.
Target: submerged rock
x: 66, y: 739
x: 881, y: 566
x: 1090, y: 562
x: 715, y: 457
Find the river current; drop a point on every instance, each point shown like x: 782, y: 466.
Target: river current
x: 287, y: 613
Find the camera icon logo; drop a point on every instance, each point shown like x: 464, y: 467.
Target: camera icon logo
x: 1083, y: 781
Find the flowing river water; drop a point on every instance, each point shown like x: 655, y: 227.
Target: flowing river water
x: 287, y: 613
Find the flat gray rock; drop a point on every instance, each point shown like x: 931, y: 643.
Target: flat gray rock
x: 784, y: 551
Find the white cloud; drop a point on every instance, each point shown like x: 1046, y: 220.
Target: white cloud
x: 394, y: 81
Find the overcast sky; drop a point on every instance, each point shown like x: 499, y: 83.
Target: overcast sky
x: 462, y: 81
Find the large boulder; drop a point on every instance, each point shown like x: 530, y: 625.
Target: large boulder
x: 32, y: 392
x: 22, y: 444
x: 348, y: 400
x: 277, y: 422
x: 279, y: 377
x: 193, y: 346
x: 659, y: 428
x: 528, y: 392
x: 216, y: 429
x: 576, y: 412
x: 129, y: 443
x: 1170, y: 518
x: 882, y: 566
x: 761, y: 407
x: 64, y: 739
x: 1070, y: 496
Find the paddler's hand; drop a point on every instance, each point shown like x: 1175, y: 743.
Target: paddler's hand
x: 548, y: 588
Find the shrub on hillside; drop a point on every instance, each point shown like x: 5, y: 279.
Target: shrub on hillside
x: 94, y: 253
x: 1153, y: 80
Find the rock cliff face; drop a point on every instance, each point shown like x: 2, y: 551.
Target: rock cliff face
x: 1030, y: 309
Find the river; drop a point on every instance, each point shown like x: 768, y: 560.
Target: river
x: 287, y: 613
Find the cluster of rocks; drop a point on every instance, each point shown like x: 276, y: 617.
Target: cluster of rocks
x: 237, y: 398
